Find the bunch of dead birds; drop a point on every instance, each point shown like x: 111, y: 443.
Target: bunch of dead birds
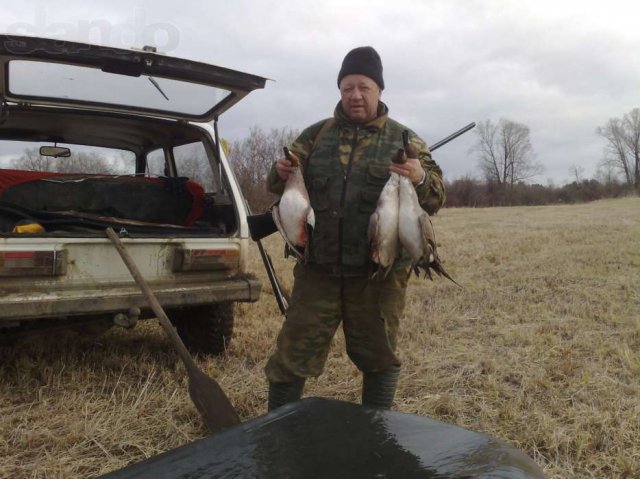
x: 398, y: 220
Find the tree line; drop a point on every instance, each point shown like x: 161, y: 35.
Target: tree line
x: 503, y: 149
x: 472, y: 192
x: 251, y: 159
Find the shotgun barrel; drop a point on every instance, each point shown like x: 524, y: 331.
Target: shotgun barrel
x: 454, y: 135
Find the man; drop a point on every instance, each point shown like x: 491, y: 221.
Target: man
x: 346, y: 162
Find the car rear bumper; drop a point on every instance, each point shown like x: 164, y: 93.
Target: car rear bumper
x: 115, y: 299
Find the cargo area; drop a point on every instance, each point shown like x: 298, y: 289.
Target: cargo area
x: 144, y: 175
x: 58, y: 203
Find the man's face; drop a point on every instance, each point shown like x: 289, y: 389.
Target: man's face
x: 359, y: 98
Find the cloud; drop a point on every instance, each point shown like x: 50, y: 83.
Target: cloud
x: 562, y: 68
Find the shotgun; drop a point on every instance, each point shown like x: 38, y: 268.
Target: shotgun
x: 265, y: 222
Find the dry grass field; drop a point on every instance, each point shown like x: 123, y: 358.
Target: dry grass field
x: 541, y: 349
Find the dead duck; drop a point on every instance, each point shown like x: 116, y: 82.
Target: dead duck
x: 293, y: 214
x: 416, y: 233
x: 415, y: 230
x: 383, y: 227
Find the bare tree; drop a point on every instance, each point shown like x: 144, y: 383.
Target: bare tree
x: 192, y: 162
x: 252, y: 158
x: 78, y: 162
x: 577, y: 171
x: 30, y: 159
x: 622, y: 151
x: 196, y: 169
x: 83, y: 162
x: 505, y: 153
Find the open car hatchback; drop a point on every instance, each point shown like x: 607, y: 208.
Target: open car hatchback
x: 94, y: 137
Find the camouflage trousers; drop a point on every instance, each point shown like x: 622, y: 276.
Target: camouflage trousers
x: 369, y: 310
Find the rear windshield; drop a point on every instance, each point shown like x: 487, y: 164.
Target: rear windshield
x: 54, y: 81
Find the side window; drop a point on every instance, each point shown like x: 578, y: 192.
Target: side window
x: 156, y: 163
x: 192, y: 161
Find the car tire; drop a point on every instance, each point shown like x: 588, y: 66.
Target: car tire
x: 205, y: 329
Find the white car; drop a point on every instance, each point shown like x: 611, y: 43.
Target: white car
x: 94, y: 137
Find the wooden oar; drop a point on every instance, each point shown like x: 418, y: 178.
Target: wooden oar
x: 208, y: 397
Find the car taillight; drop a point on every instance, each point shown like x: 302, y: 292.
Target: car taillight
x: 33, y: 263
x: 188, y: 260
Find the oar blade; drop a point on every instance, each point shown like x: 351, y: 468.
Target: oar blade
x: 212, y: 403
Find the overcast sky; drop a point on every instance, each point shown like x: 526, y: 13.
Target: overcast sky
x: 562, y: 68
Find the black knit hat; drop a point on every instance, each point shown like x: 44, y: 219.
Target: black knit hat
x: 364, y: 61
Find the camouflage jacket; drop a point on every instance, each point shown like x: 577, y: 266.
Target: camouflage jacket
x: 344, y: 172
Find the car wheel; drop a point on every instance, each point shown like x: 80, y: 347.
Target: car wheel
x: 204, y: 329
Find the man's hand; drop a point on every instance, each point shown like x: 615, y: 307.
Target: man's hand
x: 284, y: 168
x: 411, y: 169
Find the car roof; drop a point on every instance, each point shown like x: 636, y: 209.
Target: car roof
x: 101, y: 129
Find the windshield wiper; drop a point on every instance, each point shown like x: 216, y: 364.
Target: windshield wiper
x: 155, y: 84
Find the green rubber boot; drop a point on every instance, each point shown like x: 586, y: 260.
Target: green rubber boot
x: 379, y: 388
x: 282, y: 393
